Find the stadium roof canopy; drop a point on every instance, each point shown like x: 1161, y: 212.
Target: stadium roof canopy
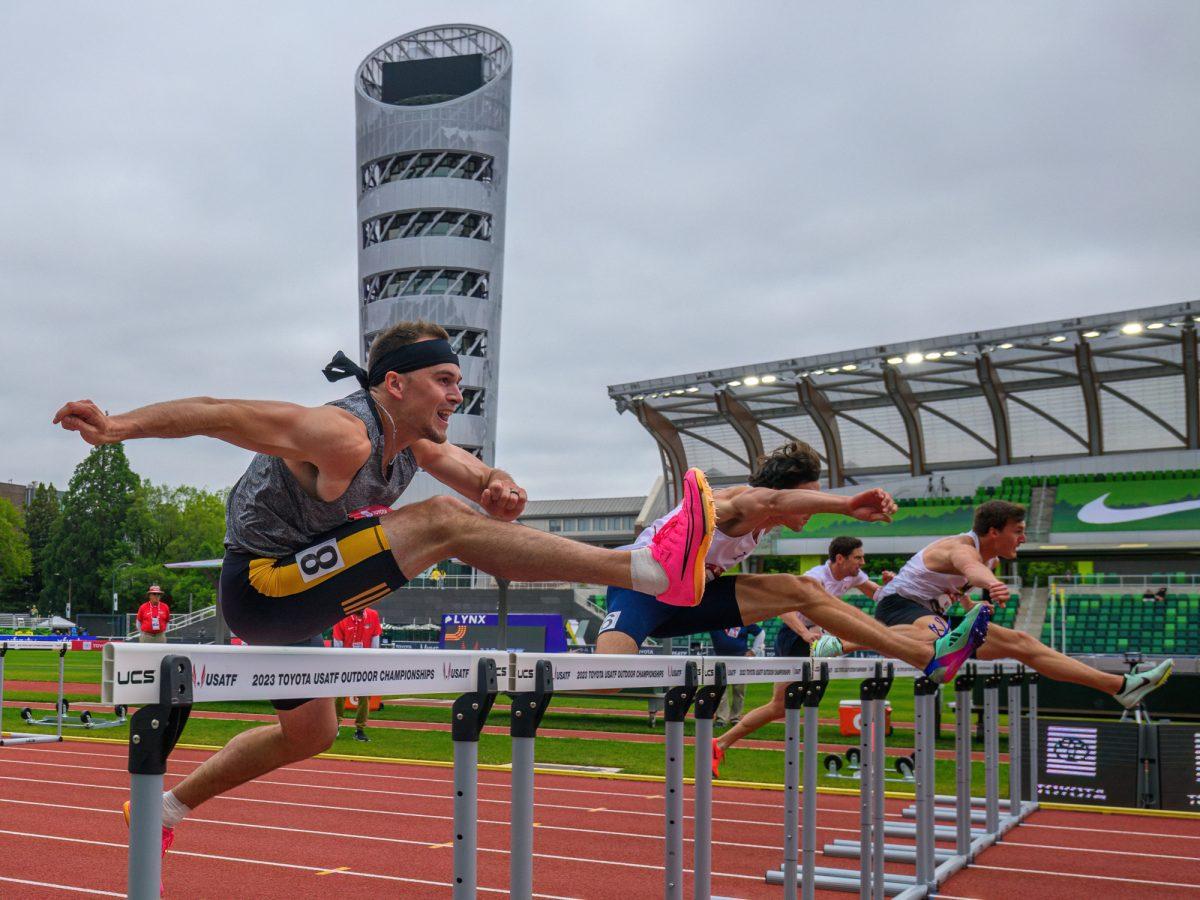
x: 1117, y: 382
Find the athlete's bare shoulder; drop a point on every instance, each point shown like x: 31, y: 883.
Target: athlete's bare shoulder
x: 938, y: 556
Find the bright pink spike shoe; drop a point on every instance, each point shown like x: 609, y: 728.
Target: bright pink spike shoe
x: 168, y: 838
x: 681, y: 544
x: 718, y: 757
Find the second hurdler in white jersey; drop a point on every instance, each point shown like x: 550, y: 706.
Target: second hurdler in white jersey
x: 841, y: 573
x: 937, y: 591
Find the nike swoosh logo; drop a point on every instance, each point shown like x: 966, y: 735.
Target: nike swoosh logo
x: 1097, y: 513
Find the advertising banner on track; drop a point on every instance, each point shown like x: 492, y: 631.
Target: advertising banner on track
x: 1179, y: 766
x: 131, y: 672
x: 1088, y: 761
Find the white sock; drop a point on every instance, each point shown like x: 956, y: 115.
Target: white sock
x: 647, y: 575
x: 174, y: 812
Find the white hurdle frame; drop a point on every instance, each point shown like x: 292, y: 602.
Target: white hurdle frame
x: 167, y: 680
x: 19, y: 737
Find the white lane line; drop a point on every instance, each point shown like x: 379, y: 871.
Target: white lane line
x: 1194, y: 887
x: 269, y: 863
x: 1008, y: 843
x: 1106, y: 830
x: 75, y: 889
x: 652, y: 786
x: 656, y: 838
x: 655, y: 814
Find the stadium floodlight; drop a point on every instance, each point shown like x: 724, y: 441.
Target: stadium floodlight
x: 950, y: 353
x: 678, y: 391
x: 895, y: 360
x: 1058, y: 339
x: 750, y: 381
x: 639, y: 397
x: 735, y: 384
x: 1091, y: 334
x: 1154, y: 326
x: 849, y: 367
x: 1006, y: 346
x: 770, y: 379
x: 693, y: 389
x: 913, y: 358
x: 1131, y: 328
x: 933, y: 354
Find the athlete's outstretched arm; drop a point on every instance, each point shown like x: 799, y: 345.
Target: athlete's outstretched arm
x: 333, y: 440
x: 761, y: 504
x: 793, y: 621
x: 493, y: 489
x: 970, y: 564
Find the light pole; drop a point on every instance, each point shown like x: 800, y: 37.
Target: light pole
x: 70, y: 583
x: 124, y: 565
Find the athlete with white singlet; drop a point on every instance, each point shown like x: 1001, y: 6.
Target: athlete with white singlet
x: 783, y: 491
x: 841, y: 573
x: 916, y: 600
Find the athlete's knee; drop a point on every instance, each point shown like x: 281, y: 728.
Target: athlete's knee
x: 311, y: 732
x: 1021, y: 642
x: 441, y: 517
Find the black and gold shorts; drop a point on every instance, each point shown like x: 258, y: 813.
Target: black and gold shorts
x: 292, y: 599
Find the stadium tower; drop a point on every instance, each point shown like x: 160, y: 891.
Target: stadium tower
x: 432, y: 109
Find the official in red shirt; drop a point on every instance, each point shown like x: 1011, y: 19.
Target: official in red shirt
x: 152, y: 617
x: 360, y: 629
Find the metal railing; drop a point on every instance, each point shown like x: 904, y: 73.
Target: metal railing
x: 176, y: 622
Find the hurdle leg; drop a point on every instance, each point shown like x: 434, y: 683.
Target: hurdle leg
x: 527, y: 711
x: 813, y: 693
x: 1015, y: 754
x: 924, y: 691
x: 675, y: 708
x: 991, y: 749
x: 62, y: 654
x: 708, y: 698
x: 470, y: 712
x: 963, y: 685
x: 1034, y: 737
x: 153, y: 733
x: 793, y: 699
x: 882, y: 686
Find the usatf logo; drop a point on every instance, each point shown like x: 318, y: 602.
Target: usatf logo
x: 202, y: 678
x: 198, y: 675
x: 449, y: 670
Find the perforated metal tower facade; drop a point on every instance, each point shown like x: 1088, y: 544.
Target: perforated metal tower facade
x: 432, y: 177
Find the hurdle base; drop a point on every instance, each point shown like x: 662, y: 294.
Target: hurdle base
x: 20, y: 738
x: 941, y: 832
x: 834, y: 879
x: 905, y: 853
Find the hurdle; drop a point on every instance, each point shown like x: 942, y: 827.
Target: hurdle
x: 17, y: 737
x: 933, y: 865
x: 167, y: 680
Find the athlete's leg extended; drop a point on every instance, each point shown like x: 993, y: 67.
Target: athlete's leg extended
x: 761, y: 597
x: 769, y: 712
x: 1005, y: 643
x: 302, y: 732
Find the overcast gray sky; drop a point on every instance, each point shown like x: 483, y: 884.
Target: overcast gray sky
x: 692, y: 185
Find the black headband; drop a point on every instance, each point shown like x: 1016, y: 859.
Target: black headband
x: 406, y: 358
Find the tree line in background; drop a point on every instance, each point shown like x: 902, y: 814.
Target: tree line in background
x: 111, y: 529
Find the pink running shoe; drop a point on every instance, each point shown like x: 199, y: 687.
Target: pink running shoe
x: 718, y: 758
x: 681, y: 544
x: 168, y: 838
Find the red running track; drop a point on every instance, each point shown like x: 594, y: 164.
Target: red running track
x: 341, y: 828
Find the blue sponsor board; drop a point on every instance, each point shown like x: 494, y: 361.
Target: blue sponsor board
x: 527, y: 632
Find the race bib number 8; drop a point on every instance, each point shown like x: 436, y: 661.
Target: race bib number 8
x: 319, y: 561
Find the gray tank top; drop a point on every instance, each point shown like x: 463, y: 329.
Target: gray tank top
x: 269, y: 514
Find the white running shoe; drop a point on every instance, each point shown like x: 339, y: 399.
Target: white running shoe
x: 1139, y: 684
x: 827, y: 645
